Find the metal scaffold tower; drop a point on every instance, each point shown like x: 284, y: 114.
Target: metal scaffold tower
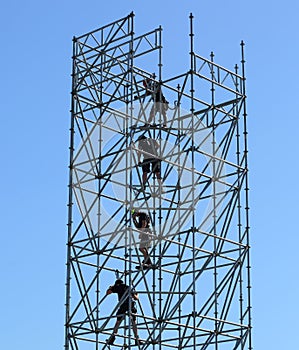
x: 174, y: 150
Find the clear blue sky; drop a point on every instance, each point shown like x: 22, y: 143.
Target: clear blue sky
x: 36, y: 48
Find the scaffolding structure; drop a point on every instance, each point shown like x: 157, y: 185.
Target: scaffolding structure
x: 196, y: 295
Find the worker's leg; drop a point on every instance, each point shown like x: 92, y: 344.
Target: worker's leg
x: 158, y: 176
x: 144, y: 179
x: 145, y: 171
x: 144, y: 251
x: 156, y: 166
x: 134, y: 325
x: 161, y: 108
x: 120, y: 316
x: 163, y: 112
x: 152, y: 113
x: 117, y: 324
x: 164, y: 118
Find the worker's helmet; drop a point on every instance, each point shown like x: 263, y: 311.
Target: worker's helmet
x: 118, y: 281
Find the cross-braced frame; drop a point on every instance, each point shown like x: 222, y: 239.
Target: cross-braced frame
x: 196, y: 293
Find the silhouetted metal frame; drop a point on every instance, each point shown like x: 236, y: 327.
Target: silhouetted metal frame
x: 98, y: 91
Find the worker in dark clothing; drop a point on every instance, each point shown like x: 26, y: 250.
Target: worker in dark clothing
x: 142, y: 223
x: 160, y: 104
x: 124, y: 298
x: 149, y: 149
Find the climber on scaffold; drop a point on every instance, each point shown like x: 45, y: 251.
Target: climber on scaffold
x: 142, y: 222
x: 124, y: 300
x: 160, y: 104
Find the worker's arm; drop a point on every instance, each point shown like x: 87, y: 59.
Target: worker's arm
x: 109, y: 290
x: 135, y: 215
x: 147, y: 83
